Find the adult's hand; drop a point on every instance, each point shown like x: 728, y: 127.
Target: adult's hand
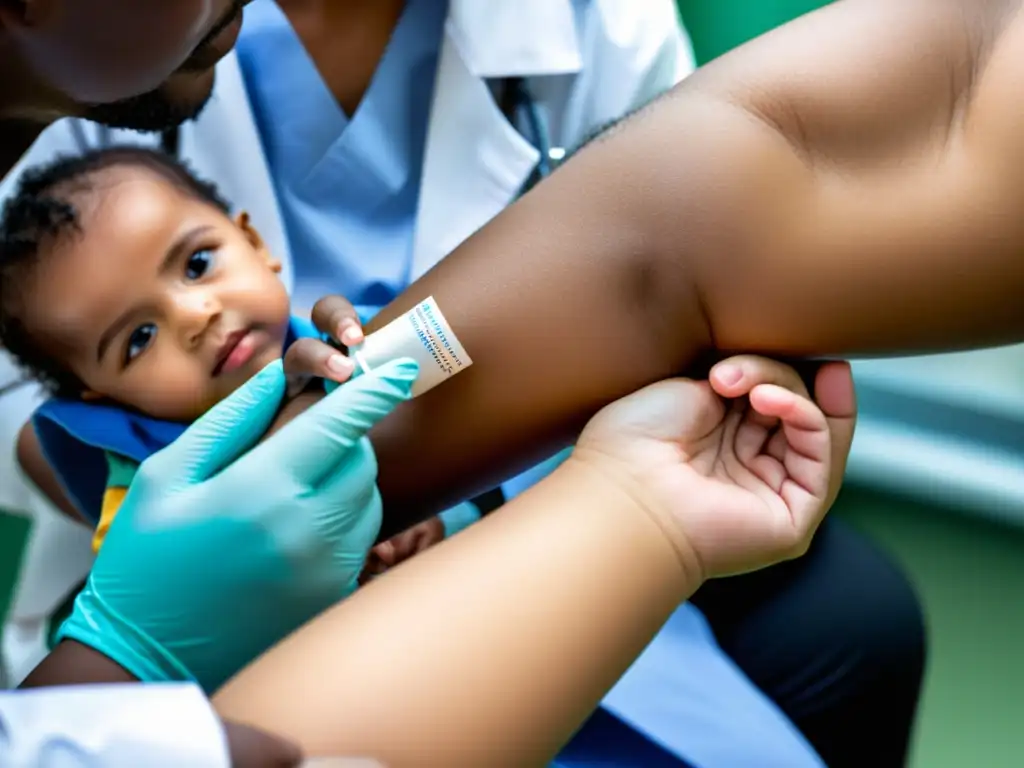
x: 215, y: 555
x: 740, y: 469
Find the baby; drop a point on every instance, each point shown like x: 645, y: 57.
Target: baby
x: 129, y: 291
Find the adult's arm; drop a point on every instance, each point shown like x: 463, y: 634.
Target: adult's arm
x: 847, y: 184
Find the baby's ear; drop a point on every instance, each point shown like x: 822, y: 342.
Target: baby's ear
x: 243, y: 222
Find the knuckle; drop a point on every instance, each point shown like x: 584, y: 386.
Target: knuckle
x: 148, y: 473
x: 342, y: 308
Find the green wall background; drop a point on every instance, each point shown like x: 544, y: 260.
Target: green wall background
x: 719, y: 25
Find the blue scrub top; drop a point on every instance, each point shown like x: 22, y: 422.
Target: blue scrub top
x: 348, y: 185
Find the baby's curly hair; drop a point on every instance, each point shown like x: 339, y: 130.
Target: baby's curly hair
x: 39, y: 213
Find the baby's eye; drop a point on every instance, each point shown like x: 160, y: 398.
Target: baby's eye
x: 140, y: 338
x: 198, y: 263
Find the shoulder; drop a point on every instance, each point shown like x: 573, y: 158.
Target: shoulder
x: 631, y: 51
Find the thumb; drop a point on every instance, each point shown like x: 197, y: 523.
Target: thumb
x: 836, y: 397
x: 224, y: 432
x: 312, y: 445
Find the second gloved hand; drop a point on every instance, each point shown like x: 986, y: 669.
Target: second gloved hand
x: 220, y: 551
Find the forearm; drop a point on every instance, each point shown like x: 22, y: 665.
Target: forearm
x: 501, y: 671
x: 839, y: 219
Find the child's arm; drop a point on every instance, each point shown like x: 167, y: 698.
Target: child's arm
x: 513, y: 652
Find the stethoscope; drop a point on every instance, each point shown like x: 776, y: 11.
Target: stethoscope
x: 522, y: 112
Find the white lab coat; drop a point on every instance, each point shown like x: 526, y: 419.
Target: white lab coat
x: 588, y: 62
x: 111, y: 726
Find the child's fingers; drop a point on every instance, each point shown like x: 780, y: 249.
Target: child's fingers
x: 312, y: 357
x: 737, y: 376
x: 385, y: 555
x: 803, y: 423
x: 834, y: 391
x: 807, y: 456
x: 404, y: 545
x: 335, y: 316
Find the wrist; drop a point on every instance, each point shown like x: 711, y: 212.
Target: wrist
x: 72, y: 663
x: 95, y: 624
x: 612, y: 478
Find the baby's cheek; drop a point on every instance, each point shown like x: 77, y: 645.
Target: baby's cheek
x: 175, y: 396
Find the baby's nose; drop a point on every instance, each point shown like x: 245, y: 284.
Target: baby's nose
x: 197, y: 312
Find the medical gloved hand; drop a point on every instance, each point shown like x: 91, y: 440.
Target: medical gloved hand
x: 216, y: 553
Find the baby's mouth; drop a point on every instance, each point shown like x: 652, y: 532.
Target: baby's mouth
x: 237, y: 349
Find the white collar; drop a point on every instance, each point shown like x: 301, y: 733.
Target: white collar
x: 505, y: 38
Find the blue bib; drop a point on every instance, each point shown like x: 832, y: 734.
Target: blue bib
x: 76, y: 436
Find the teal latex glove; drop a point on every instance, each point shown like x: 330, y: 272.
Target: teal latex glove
x: 220, y: 551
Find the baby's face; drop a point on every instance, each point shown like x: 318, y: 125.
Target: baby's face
x: 161, y: 302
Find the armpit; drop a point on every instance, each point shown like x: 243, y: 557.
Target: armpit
x: 866, y: 84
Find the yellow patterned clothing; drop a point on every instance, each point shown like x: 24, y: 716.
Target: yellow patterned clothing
x: 121, y: 471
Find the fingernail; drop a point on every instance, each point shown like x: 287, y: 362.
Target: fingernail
x: 729, y: 374
x: 352, y: 334
x: 340, y: 365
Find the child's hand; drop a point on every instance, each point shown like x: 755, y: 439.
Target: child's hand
x: 739, y: 470
x: 398, y: 548
x: 336, y: 317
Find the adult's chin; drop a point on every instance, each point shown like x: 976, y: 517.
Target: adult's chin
x: 179, y: 100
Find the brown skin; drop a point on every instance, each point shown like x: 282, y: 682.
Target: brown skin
x: 843, y: 185
x: 72, y: 663
x: 785, y: 199
x: 345, y: 40
x: 143, y: 303
x: 140, y: 302
x: 148, y: 66
x: 135, y: 65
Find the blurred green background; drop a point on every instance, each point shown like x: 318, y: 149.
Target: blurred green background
x: 969, y: 571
